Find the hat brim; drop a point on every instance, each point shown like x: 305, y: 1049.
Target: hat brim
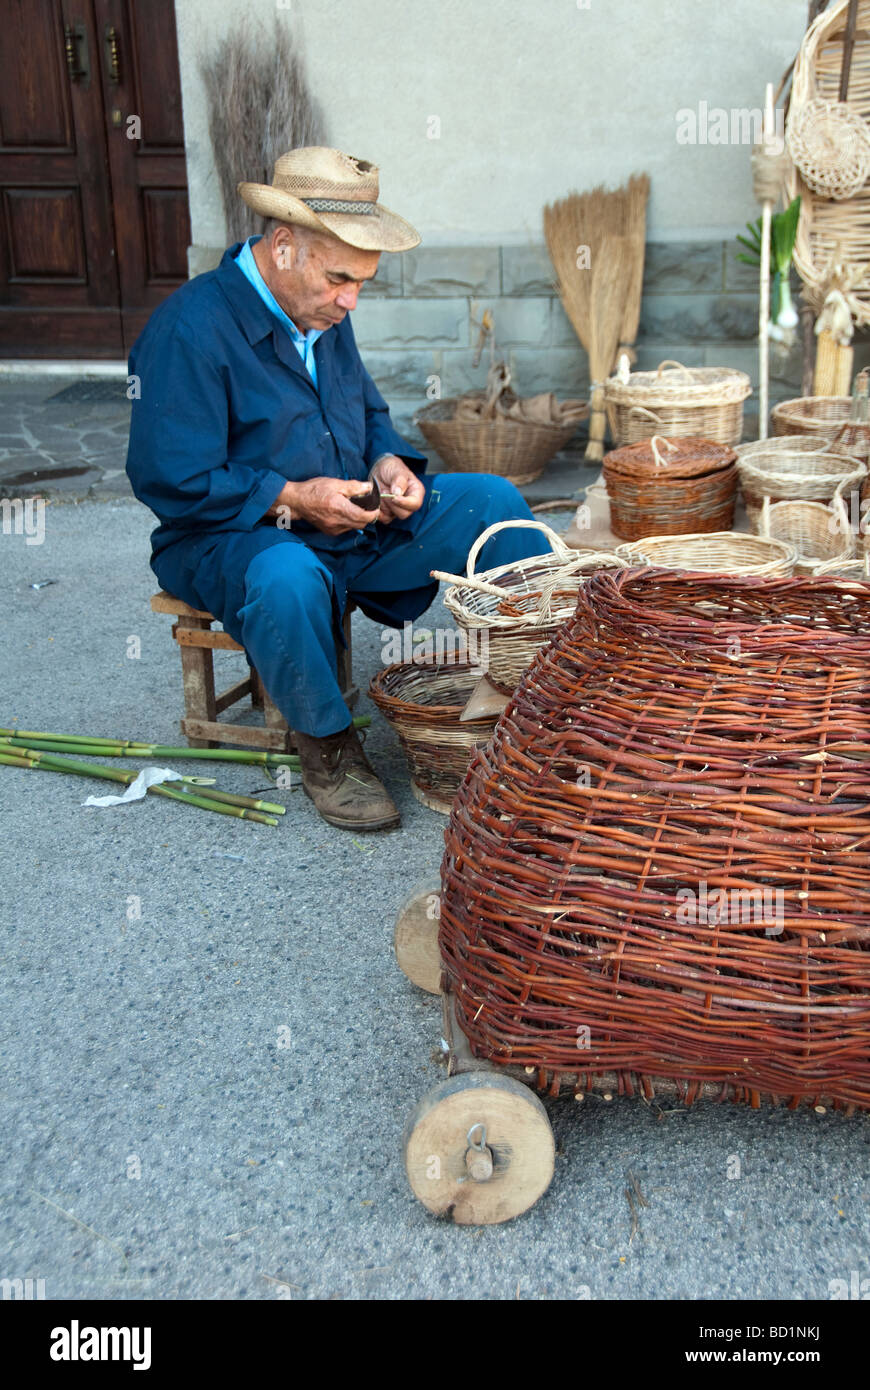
x: 380, y: 230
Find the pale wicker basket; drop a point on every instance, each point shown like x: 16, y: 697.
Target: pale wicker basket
x: 794, y: 473
x: 819, y: 534
x: 520, y: 606
x: 676, y: 400
x: 722, y: 552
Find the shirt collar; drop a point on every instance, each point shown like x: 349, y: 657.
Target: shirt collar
x: 245, y: 257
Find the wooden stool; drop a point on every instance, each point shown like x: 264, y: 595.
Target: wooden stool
x: 202, y: 705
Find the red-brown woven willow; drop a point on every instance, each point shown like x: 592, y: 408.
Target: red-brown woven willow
x: 670, y: 487
x: 682, y: 734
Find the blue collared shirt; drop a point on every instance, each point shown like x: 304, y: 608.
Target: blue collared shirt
x: 226, y: 412
x: 304, y: 342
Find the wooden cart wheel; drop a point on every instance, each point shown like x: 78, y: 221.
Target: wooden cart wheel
x: 479, y: 1148
x: 416, y: 938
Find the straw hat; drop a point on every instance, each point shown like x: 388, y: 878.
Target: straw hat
x: 331, y: 192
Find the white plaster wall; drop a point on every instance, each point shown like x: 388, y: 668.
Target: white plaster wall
x: 535, y: 98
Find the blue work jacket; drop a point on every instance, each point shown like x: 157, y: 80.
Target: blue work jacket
x: 227, y: 413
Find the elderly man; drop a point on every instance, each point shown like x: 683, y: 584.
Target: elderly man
x: 257, y: 427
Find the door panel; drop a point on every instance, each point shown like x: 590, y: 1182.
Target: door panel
x: 94, y: 223
x: 145, y: 133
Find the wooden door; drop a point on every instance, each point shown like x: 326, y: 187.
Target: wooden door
x: 94, y: 222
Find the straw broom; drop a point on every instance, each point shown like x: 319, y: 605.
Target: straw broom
x: 601, y: 296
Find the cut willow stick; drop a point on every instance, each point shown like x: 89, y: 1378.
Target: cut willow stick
x: 360, y: 721
x: 43, y: 743
x: 43, y: 762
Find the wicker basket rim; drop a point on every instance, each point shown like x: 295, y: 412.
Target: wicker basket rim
x: 680, y: 385
x: 695, y: 457
x: 739, y: 540
x: 808, y: 465
x: 386, y: 700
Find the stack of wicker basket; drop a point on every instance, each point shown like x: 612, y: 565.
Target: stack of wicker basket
x: 677, y: 400
x: 791, y: 468
x: 665, y: 487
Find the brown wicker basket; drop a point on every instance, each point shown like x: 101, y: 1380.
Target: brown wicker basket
x: 721, y: 552
x: 515, y: 449
x: 828, y: 417
x: 685, y: 486
x: 674, y: 400
x: 659, y: 867
x: 819, y: 534
x: 424, y: 701
x: 794, y: 474
x: 516, y: 608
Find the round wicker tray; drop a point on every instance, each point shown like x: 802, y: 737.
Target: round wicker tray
x: 722, y: 552
x: 515, y: 449
x: 424, y: 701
x: 676, y: 400
x: 669, y: 487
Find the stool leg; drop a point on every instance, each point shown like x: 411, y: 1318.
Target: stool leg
x: 274, y: 719
x: 197, y: 673
x: 344, y: 660
x: 257, y: 689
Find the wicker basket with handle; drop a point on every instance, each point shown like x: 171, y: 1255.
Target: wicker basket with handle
x: 666, y: 487
x: 676, y: 400
x: 519, y: 606
x: 829, y: 417
x: 817, y: 532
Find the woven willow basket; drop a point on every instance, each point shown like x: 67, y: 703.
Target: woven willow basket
x: 520, y: 606
x: 424, y: 701
x: 722, y: 552
x: 515, y: 449
x: 817, y: 532
x: 794, y: 475
x: 677, y: 400
x: 826, y: 416
x: 685, y: 486
x: 664, y: 850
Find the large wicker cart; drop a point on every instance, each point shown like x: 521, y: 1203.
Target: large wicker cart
x: 729, y: 747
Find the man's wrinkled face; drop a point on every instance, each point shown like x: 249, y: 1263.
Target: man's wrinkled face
x: 315, y: 279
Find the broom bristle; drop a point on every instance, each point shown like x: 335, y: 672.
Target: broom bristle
x: 584, y: 220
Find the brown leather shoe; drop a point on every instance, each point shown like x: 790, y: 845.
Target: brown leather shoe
x: 342, y: 783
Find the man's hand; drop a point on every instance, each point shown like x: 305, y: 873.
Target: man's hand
x: 395, y: 477
x: 324, y: 503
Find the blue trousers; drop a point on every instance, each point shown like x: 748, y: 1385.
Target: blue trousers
x: 282, y: 598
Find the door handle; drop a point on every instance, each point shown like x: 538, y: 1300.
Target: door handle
x: 113, y: 54
x: 78, y: 62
